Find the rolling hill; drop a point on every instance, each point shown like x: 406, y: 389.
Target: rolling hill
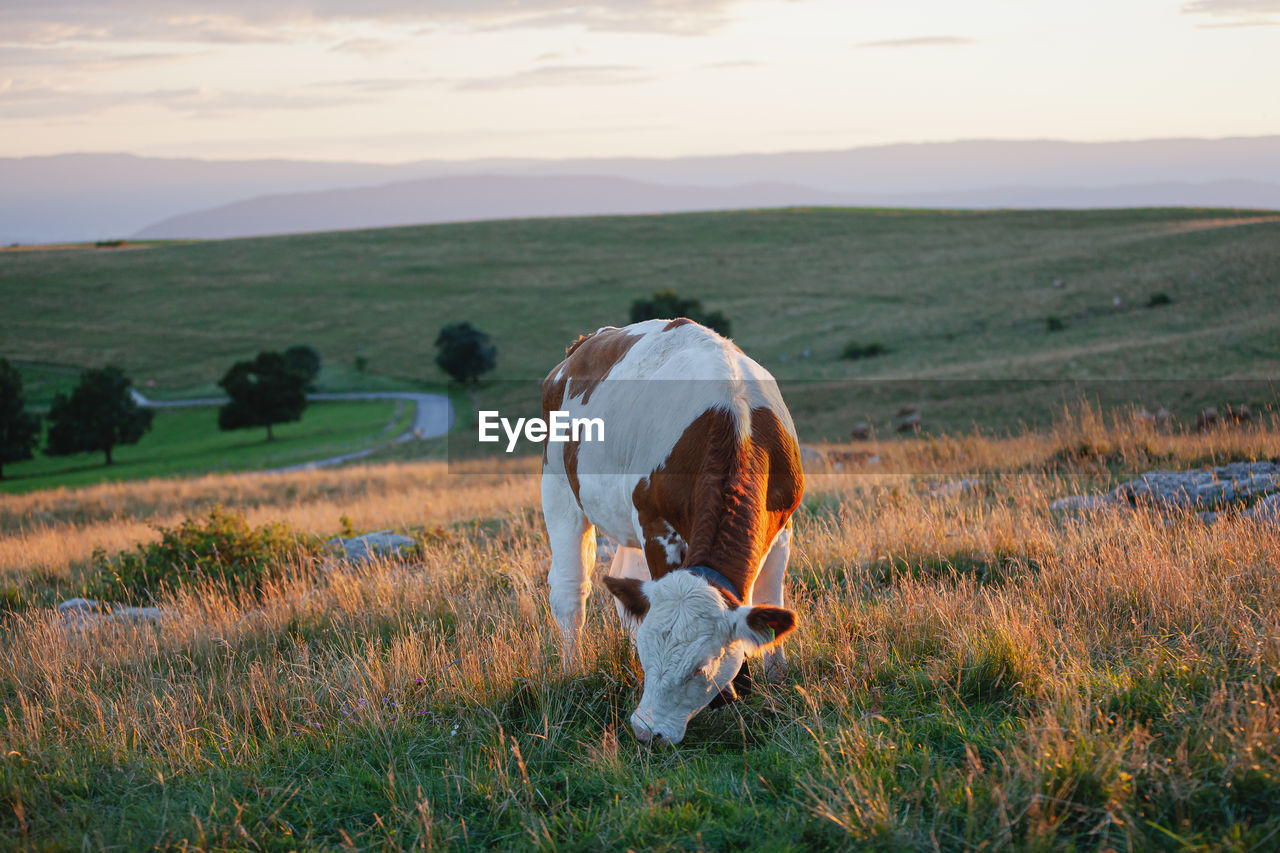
x: 961, y: 299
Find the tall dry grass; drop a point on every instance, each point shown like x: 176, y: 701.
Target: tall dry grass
x: 970, y: 670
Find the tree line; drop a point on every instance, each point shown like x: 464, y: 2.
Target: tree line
x: 102, y: 413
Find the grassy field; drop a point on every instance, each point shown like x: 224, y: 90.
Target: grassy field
x: 962, y: 300
x: 969, y: 672
x: 184, y: 442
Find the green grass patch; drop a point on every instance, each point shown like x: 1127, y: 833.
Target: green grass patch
x: 185, y: 442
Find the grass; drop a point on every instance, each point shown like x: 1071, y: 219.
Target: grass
x: 958, y: 297
x: 969, y: 671
x: 184, y: 442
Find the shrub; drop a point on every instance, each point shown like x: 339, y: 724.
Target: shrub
x: 1159, y: 298
x: 1054, y: 324
x: 855, y: 350
x: 220, y: 547
x: 668, y: 305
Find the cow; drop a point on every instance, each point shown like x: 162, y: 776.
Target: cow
x: 696, y: 479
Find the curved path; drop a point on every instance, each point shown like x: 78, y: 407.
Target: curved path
x: 433, y: 417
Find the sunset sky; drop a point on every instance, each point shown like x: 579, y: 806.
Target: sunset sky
x: 396, y: 80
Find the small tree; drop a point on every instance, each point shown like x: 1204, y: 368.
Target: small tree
x: 667, y: 304
x: 465, y: 352
x: 305, y: 360
x: 99, y: 415
x: 855, y: 350
x: 263, y: 392
x: 19, y: 429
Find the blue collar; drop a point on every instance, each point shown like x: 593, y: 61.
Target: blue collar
x: 710, y: 575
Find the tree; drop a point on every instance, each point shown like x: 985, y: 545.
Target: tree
x: 19, y: 429
x: 465, y: 352
x: 667, y: 305
x: 263, y: 392
x: 99, y: 415
x: 305, y: 360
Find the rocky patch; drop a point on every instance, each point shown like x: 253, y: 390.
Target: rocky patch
x: 1251, y: 489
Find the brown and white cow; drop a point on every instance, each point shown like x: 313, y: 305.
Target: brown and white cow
x: 696, y: 479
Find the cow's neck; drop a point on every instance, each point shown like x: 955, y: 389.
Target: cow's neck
x: 718, y: 579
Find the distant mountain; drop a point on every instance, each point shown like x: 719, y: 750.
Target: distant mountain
x: 474, y: 197
x: 97, y: 196
x: 469, y: 197
x: 100, y: 196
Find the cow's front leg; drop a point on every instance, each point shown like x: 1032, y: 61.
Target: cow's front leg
x: 769, y: 590
x: 628, y: 563
x: 573, y: 552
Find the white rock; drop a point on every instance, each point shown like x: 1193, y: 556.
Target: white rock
x: 371, y: 545
x: 813, y: 461
x: 955, y: 487
x: 85, y: 610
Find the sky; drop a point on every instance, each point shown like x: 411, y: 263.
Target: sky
x: 401, y: 80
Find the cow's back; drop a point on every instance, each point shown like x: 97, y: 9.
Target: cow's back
x: 699, y: 463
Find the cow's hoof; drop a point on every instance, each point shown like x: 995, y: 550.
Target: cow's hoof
x: 775, y: 668
x: 742, y: 682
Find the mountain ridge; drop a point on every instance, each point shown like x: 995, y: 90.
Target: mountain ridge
x: 69, y: 197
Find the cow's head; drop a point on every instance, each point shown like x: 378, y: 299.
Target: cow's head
x: 691, y: 640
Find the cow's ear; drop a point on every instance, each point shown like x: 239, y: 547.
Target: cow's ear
x: 762, y: 626
x: 629, y: 591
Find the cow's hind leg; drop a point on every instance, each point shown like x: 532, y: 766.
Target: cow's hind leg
x: 573, y: 553
x: 769, y: 590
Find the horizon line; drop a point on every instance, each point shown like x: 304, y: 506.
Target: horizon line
x: 652, y: 158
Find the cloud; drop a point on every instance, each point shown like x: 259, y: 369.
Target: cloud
x: 377, y: 84
x: 81, y: 57
x: 49, y: 21
x: 19, y: 100
x: 736, y: 63
x: 368, y: 48
x: 1247, y: 13
x: 921, y: 41
x: 557, y: 75
x: 1232, y: 7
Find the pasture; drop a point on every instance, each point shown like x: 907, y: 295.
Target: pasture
x: 969, y: 671
x: 961, y: 299
x: 186, y: 441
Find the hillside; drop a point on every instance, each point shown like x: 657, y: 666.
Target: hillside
x: 960, y: 299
